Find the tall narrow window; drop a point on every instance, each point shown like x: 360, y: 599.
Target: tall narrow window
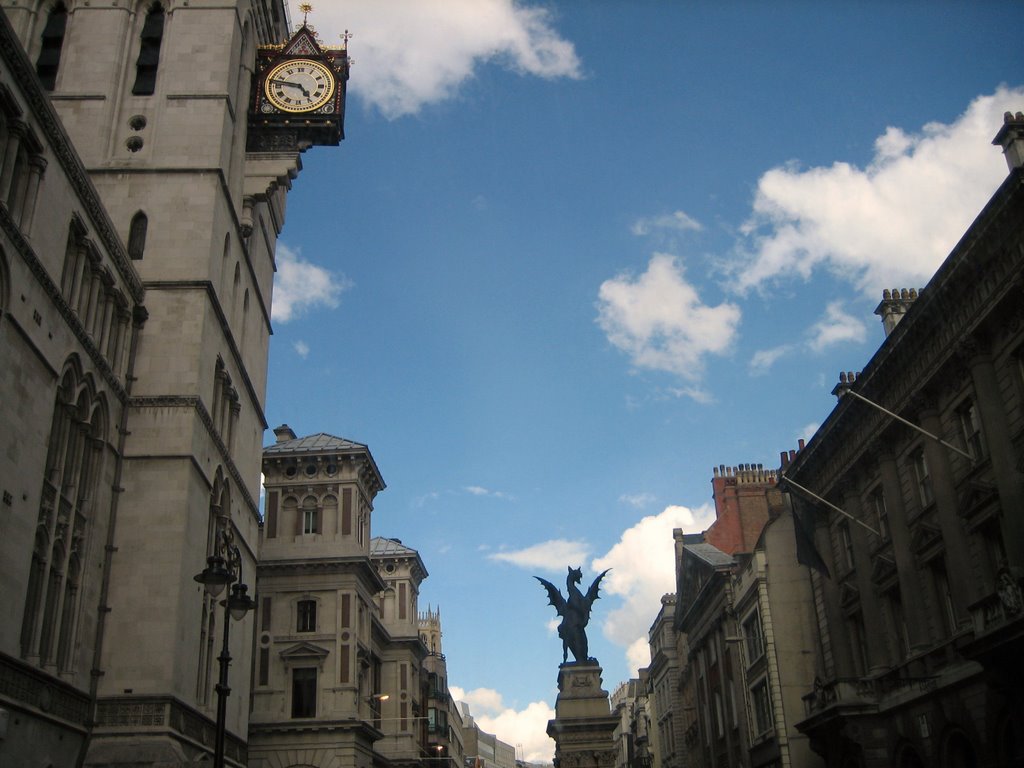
x: 53, y: 40
x: 149, y: 52
x: 309, y: 517
x: 970, y: 429
x: 762, y: 707
x: 947, y: 612
x: 304, y: 692
x: 73, y: 462
x: 754, y: 637
x: 881, y: 513
x: 137, y: 236
x: 855, y: 625
x: 306, y: 616
x: 846, y: 546
x: 899, y: 626
x: 923, y: 478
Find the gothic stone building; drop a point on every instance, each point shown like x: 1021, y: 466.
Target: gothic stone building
x: 141, y: 196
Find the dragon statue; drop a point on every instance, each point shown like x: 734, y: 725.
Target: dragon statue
x: 575, y: 612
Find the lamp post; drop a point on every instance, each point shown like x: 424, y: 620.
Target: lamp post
x: 224, y: 567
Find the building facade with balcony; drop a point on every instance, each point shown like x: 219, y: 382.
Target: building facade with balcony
x: 920, y: 618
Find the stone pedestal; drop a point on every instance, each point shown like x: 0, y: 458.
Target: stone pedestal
x: 583, y: 724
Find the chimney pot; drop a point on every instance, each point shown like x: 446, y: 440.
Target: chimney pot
x: 1011, y: 139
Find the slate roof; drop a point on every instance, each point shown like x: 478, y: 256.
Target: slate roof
x: 321, y: 441
x: 390, y: 548
x: 709, y: 553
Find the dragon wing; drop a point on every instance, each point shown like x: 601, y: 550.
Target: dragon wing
x: 592, y: 593
x: 554, y: 596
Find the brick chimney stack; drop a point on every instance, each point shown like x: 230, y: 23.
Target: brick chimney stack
x: 1011, y: 139
x: 894, y: 305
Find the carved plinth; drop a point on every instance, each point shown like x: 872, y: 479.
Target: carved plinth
x: 583, y: 724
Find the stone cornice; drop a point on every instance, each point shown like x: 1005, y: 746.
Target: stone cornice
x: 24, y: 76
x: 321, y: 565
x: 980, y: 274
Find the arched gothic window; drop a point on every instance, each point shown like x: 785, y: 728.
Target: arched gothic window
x: 137, y: 236
x: 53, y: 40
x: 74, y: 461
x: 149, y: 51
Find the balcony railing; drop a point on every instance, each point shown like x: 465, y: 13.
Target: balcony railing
x: 863, y: 692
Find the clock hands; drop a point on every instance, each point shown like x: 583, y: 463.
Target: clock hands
x: 293, y: 85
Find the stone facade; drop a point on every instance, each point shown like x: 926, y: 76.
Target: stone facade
x: 775, y: 632
x: 444, y: 721
x: 135, y: 289
x: 920, y: 621
x: 665, y: 731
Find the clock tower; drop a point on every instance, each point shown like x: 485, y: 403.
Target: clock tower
x: 188, y: 117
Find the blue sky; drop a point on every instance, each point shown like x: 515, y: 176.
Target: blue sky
x: 573, y: 255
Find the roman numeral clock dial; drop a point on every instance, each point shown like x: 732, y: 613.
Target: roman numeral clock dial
x: 299, y: 85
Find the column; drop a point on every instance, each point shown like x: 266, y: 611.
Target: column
x: 1001, y: 453
x: 906, y: 569
x: 36, y: 166
x: 831, y: 619
x: 954, y: 537
x: 871, y: 609
x: 15, y: 132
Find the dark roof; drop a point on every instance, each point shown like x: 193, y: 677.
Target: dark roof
x: 321, y: 441
x: 380, y: 546
x: 709, y: 553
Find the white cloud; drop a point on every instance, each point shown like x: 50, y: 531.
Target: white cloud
x: 301, y: 348
x: 548, y: 555
x: 637, y: 499
x: 525, y: 728
x: 638, y: 654
x: 836, y: 327
x: 478, y: 490
x: 643, y: 570
x: 409, y: 53
x: 678, y: 221
x: 764, y: 359
x: 807, y: 432
x: 300, y: 285
x: 888, y: 224
x: 659, y: 320
x: 480, y: 700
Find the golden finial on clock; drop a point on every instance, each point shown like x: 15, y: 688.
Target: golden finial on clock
x: 305, y: 8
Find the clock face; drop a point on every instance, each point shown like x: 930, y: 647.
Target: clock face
x: 299, y: 85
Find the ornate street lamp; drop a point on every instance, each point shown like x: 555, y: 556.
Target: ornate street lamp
x: 224, y: 567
